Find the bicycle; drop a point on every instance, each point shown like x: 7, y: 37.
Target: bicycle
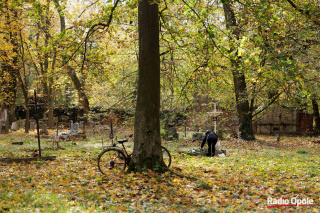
x: 115, y: 158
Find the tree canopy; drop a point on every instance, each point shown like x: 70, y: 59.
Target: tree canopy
x: 244, y: 54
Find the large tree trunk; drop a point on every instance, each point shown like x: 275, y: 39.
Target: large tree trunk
x: 147, y: 142
x: 240, y: 87
x: 316, y: 114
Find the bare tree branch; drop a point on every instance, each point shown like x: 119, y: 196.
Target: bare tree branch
x: 88, y: 7
x: 307, y: 13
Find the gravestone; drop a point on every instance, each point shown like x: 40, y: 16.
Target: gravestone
x: 74, y: 128
x: 14, y: 126
x: 172, y: 134
x: 82, y: 125
x: 197, y: 136
x: 3, y: 121
x: 21, y: 124
x: 44, y: 130
x: 203, y: 152
x: 3, y: 115
x: 33, y: 125
x: 3, y: 129
x: 218, y: 146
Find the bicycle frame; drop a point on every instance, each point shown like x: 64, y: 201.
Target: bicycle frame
x: 120, y: 156
x: 125, y: 151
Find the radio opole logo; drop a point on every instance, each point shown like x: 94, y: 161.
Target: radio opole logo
x: 272, y: 203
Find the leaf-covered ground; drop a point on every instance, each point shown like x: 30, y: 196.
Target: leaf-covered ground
x: 240, y: 182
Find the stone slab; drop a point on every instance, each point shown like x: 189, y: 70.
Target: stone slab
x: 26, y: 160
x: 203, y: 153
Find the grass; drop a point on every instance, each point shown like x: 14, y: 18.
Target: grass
x: 240, y: 182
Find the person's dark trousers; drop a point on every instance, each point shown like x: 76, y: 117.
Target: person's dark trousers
x: 212, y: 146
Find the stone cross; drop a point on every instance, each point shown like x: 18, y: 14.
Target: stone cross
x: 215, y: 113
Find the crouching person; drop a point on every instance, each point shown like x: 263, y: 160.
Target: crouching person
x: 211, y: 138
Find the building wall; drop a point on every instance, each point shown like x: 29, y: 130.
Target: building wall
x: 285, y: 120
x: 304, y: 122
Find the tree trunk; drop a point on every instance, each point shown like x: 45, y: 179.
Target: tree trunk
x: 47, y: 81
x: 239, y: 79
x: 24, y: 86
x: 24, y: 90
x: 11, y: 66
x: 147, y: 142
x: 77, y: 84
x: 84, y: 101
x: 316, y: 114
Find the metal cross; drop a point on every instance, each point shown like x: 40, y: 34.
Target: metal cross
x: 36, y: 117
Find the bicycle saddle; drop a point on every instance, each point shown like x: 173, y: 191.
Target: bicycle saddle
x: 122, y: 141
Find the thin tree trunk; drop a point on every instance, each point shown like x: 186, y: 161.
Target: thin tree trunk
x: 147, y: 142
x: 47, y: 81
x: 71, y: 72
x: 24, y: 86
x: 77, y: 84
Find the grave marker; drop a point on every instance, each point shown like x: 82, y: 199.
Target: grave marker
x: 44, y: 130
x: 33, y: 125
x: 3, y: 121
x: 36, y: 117
x: 74, y: 128
x: 172, y: 133
x: 215, y: 114
x: 14, y: 126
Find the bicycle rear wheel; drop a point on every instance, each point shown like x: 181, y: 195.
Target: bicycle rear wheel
x: 166, y: 156
x: 111, y: 159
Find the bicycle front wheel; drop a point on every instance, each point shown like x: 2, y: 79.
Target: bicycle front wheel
x: 111, y: 159
x: 166, y: 156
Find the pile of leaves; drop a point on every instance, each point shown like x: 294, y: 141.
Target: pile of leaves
x: 242, y: 181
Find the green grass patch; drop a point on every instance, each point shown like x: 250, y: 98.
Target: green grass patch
x: 239, y: 182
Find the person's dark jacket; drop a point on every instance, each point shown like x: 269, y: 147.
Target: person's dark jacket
x: 209, y: 137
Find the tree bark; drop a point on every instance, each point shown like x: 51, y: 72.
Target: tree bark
x: 316, y: 114
x: 77, y: 84
x: 84, y: 101
x: 47, y: 80
x: 239, y: 79
x: 147, y: 142
x: 24, y: 86
x: 11, y: 65
x: 306, y: 13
